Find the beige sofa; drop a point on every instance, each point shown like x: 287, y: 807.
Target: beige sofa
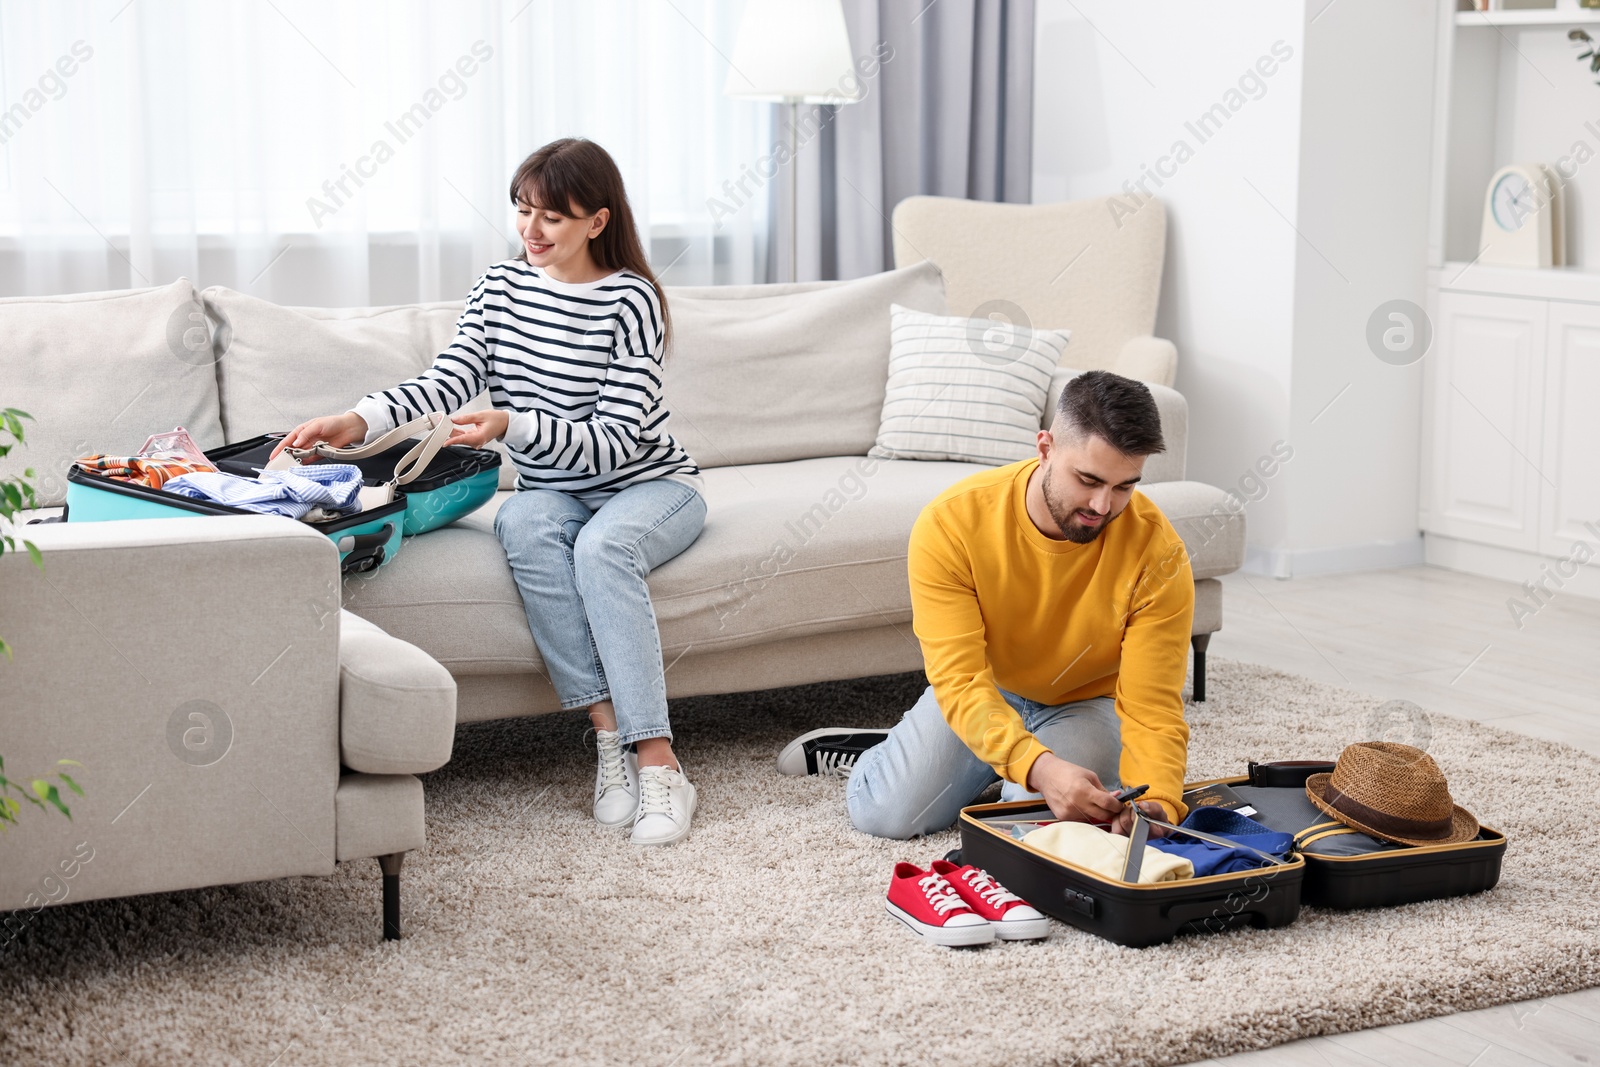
x: 231, y: 722
x: 799, y: 575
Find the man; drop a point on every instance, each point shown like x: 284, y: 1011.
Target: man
x: 1054, y: 606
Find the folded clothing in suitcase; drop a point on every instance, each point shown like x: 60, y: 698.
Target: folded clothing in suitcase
x: 1346, y: 868
x: 441, y: 483
x: 1136, y: 914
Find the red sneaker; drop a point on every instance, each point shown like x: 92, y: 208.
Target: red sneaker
x: 1012, y: 917
x: 933, y: 910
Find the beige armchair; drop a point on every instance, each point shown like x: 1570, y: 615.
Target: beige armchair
x: 1073, y: 266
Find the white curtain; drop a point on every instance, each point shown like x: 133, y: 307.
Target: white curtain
x: 354, y: 152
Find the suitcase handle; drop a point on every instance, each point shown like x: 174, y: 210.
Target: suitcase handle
x: 437, y: 427
x: 366, y: 550
x: 1218, y: 909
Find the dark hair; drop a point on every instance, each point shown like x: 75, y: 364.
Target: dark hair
x: 1118, y: 410
x: 577, y: 171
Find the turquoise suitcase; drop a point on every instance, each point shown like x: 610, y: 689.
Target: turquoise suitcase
x: 439, y: 485
x: 456, y: 481
x: 365, y: 541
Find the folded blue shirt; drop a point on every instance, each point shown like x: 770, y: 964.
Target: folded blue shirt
x: 1214, y: 859
x: 331, y: 486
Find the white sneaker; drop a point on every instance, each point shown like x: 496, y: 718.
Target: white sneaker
x: 616, y: 781
x: 666, y: 804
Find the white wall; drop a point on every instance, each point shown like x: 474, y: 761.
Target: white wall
x: 1263, y: 324
x: 1366, y: 123
x: 1114, y: 87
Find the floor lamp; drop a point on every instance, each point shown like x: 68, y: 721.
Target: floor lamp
x: 793, y: 52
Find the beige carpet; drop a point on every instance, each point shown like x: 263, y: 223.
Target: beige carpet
x: 534, y: 937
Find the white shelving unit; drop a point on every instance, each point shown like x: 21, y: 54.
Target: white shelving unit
x: 1546, y: 16
x: 1511, y: 387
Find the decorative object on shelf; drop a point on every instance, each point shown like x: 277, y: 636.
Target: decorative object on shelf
x: 1591, y: 4
x: 1519, y: 212
x: 1558, y: 214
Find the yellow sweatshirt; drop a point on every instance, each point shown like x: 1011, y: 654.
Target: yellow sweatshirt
x: 998, y: 605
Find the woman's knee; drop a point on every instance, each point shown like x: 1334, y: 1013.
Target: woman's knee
x: 537, y: 516
x: 599, y: 558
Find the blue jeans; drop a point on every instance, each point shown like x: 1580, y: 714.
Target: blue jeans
x: 922, y: 775
x: 581, y: 573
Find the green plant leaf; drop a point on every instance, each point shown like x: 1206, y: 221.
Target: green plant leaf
x: 13, y: 423
x: 33, y: 554
x: 68, y: 763
x: 5, y: 648
x: 74, y: 786
x: 12, y: 495
x: 51, y: 795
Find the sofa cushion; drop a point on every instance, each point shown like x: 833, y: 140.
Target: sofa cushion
x: 788, y: 548
x: 816, y: 352
x: 100, y: 372
x: 965, y: 389
x: 811, y: 546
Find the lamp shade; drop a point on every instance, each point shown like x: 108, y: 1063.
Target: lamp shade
x: 793, y: 51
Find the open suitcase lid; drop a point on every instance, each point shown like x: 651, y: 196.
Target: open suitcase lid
x: 451, y: 464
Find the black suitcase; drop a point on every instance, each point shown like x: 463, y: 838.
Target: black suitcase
x: 1345, y: 868
x: 1133, y: 914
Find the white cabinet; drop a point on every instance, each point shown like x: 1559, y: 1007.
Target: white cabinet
x: 1486, y: 390
x: 1570, y: 453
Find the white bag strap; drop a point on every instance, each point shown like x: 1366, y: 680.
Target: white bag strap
x: 437, y: 427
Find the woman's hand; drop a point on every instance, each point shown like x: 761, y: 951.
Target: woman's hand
x: 475, y: 429
x: 335, y: 430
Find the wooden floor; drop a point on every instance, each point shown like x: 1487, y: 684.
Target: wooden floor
x: 1449, y: 643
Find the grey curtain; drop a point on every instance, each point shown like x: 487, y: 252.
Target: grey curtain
x: 947, y: 111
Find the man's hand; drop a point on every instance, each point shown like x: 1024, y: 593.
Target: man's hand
x: 485, y: 426
x: 336, y: 430
x: 1123, y: 823
x: 1073, y: 792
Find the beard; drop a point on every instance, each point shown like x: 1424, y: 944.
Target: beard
x: 1072, y: 527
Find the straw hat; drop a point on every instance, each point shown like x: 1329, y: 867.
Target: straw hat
x: 1394, y: 792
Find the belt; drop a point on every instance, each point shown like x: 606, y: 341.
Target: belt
x: 1290, y: 773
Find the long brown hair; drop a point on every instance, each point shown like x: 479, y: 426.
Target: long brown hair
x: 578, y: 171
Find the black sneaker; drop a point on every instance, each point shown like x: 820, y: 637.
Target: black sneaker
x: 830, y: 752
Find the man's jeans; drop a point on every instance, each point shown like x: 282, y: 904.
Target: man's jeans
x: 582, y: 578
x: 922, y: 775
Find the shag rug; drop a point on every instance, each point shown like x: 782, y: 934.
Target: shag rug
x: 532, y: 936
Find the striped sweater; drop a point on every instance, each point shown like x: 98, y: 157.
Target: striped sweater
x: 577, y: 367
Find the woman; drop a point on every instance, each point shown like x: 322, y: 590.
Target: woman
x: 568, y: 339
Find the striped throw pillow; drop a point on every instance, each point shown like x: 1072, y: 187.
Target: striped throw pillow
x: 964, y: 389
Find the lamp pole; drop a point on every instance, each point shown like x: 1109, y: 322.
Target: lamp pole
x: 794, y: 190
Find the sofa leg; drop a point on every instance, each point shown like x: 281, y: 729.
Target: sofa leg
x: 391, y: 894
x: 1200, y: 641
